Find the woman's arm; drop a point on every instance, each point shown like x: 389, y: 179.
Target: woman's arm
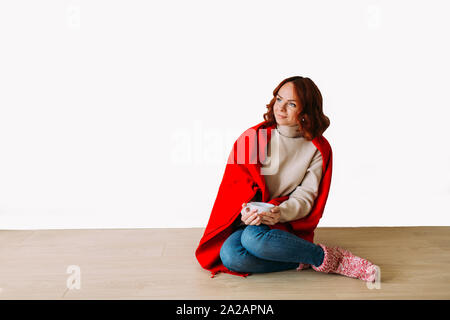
x: 302, y: 199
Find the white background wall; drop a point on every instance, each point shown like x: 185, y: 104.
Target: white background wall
x: 121, y: 114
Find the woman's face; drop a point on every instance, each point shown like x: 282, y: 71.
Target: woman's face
x: 287, y: 105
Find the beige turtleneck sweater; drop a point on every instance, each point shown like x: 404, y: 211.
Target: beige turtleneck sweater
x: 298, y: 175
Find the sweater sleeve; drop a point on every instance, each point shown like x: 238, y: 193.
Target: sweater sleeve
x: 301, y: 200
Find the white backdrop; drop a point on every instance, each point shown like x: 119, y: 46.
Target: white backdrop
x: 121, y: 114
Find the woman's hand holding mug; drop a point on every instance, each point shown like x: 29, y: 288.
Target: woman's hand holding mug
x: 272, y: 217
x: 252, y: 217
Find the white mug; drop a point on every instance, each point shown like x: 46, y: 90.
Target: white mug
x: 260, y: 206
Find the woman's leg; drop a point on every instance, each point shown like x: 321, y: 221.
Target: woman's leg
x: 236, y: 258
x: 278, y: 245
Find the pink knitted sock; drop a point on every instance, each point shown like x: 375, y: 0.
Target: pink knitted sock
x: 341, y: 261
x: 356, y: 267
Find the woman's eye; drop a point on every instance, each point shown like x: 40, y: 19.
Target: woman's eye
x: 292, y: 104
x: 278, y: 99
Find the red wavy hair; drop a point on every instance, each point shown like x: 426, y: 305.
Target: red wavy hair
x: 311, y: 119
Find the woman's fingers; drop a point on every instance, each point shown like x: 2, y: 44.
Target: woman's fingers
x: 256, y: 220
x: 267, y: 218
x: 244, y: 211
x: 263, y: 218
x: 271, y: 217
x: 251, y: 217
x: 248, y: 213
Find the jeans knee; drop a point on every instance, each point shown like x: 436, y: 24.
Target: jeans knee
x: 251, y: 238
x: 226, y: 255
x: 233, y: 260
x: 255, y: 231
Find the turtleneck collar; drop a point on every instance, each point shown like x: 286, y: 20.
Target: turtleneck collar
x: 289, y: 131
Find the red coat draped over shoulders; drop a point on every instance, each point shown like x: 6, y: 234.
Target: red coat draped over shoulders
x: 241, y: 181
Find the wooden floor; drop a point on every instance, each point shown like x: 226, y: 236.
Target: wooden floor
x: 160, y: 264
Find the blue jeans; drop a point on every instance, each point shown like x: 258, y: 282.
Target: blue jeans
x: 259, y: 249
